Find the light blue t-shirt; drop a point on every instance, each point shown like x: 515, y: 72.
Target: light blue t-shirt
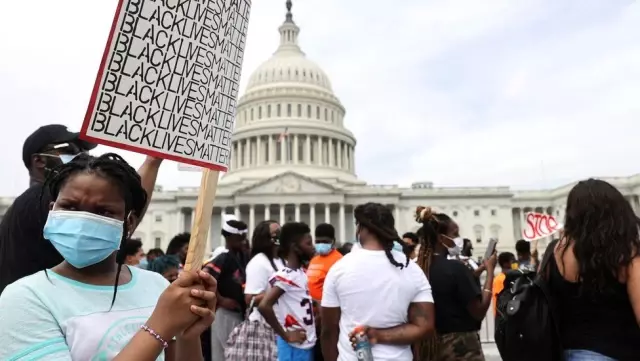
x: 57, y: 318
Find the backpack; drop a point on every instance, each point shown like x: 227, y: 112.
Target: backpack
x: 526, y: 327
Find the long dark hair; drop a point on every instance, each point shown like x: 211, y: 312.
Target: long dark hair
x: 433, y: 225
x: 262, y: 242
x: 377, y: 219
x: 114, y: 168
x: 604, y: 230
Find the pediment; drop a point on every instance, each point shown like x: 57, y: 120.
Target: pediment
x: 288, y: 183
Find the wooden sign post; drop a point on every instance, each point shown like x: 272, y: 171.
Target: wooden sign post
x: 200, y: 230
x: 168, y: 86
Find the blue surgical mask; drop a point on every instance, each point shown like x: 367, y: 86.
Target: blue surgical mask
x: 66, y: 158
x: 144, y: 264
x: 323, y: 248
x: 83, y: 239
x: 397, y: 246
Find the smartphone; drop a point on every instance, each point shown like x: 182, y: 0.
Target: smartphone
x: 491, y: 248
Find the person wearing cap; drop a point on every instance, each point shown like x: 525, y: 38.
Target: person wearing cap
x: 326, y: 256
x: 23, y: 249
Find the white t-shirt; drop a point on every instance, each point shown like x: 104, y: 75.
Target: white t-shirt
x: 258, y: 272
x: 51, y: 317
x: 295, y: 307
x: 370, y: 291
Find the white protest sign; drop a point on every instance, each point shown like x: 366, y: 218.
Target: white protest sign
x: 540, y: 225
x: 169, y: 79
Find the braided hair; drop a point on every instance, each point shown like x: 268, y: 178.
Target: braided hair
x: 378, y: 220
x: 263, y: 242
x: 114, y: 168
x: 433, y: 224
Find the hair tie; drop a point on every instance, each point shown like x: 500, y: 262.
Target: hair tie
x: 423, y: 213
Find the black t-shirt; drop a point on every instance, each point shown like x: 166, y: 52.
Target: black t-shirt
x: 229, y: 270
x: 23, y: 249
x: 453, y: 286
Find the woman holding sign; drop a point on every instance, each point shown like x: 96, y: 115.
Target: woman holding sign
x: 91, y: 306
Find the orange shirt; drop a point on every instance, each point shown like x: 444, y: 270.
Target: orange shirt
x: 498, y: 286
x: 317, y: 271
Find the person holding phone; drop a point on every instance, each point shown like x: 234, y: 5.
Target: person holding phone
x: 461, y: 303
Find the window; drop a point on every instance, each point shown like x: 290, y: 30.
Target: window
x: 278, y: 151
x: 289, y: 110
x: 478, y: 232
x: 299, y: 110
x: 476, y: 213
x: 326, y: 114
x: 158, y: 218
x: 494, y: 212
x: 455, y: 213
x: 251, y: 113
x: 269, y: 111
x: 495, y: 231
x: 260, y: 112
x: 308, y: 111
x: 157, y: 242
x: 317, y: 112
x: 278, y: 111
x: 333, y: 114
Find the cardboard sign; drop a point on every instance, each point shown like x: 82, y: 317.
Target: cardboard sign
x: 169, y: 79
x: 539, y: 225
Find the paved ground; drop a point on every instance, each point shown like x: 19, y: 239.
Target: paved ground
x: 491, y: 352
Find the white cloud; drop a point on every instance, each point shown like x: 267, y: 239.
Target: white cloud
x: 460, y: 92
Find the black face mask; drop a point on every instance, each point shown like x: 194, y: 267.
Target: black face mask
x: 50, y: 164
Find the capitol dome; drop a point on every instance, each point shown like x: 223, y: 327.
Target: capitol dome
x: 290, y: 120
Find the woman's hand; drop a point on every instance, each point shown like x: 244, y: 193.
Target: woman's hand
x: 173, y: 314
x: 205, y: 312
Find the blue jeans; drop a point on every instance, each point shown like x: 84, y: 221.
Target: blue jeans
x: 287, y: 352
x: 585, y: 355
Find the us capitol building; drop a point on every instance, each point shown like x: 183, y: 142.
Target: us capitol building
x: 293, y: 159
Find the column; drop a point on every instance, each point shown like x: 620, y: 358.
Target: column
x: 312, y: 217
x: 330, y: 152
x: 247, y: 152
x: 282, y: 214
x: 271, y: 154
x: 267, y: 212
x: 283, y: 149
x: 295, y: 149
x: 252, y: 219
x: 193, y: 218
x: 307, y: 151
x: 396, y: 214
x: 353, y: 159
x: 341, y: 223
x: 259, y: 150
x: 319, y: 154
x: 179, y: 221
x: 339, y: 154
x: 327, y: 213
x: 236, y: 212
x: 523, y: 220
x: 297, y: 214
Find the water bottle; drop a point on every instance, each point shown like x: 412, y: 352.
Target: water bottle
x: 363, y: 346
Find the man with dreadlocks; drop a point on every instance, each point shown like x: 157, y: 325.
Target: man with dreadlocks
x: 92, y: 306
x: 376, y: 287
x: 462, y: 304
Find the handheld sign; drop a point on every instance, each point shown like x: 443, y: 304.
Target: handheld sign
x: 539, y: 225
x: 167, y: 87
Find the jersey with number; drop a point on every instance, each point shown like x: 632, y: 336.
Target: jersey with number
x: 294, y: 308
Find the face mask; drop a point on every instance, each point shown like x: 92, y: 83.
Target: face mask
x: 83, y: 239
x: 144, y: 264
x: 323, y: 248
x: 66, y: 158
x: 397, y: 246
x: 455, y: 250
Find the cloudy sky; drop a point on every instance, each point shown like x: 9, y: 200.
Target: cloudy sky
x: 527, y: 93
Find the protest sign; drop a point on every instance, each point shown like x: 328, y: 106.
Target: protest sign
x: 169, y: 79
x: 539, y: 225
x: 167, y: 87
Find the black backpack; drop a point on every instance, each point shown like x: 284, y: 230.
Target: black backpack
x: 526, y: 328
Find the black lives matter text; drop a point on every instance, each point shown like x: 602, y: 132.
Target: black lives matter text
x: 171, y: 79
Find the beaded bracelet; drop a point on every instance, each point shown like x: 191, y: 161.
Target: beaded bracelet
x: 153, y: 333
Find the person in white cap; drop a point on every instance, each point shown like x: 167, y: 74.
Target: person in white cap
x: 229, y: 269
